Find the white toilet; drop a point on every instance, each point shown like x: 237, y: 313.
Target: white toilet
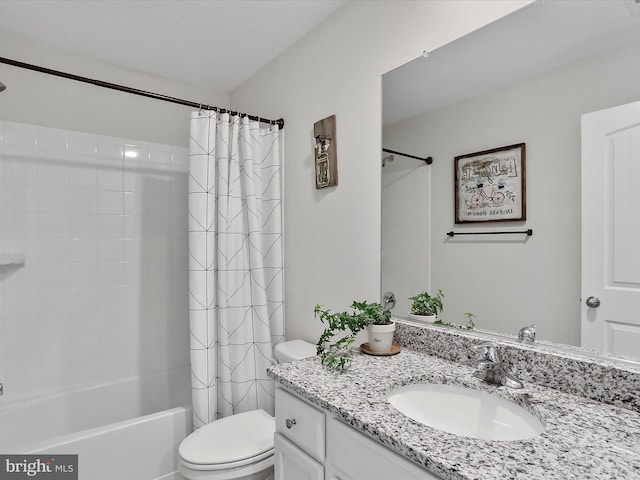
x: 239, y: 446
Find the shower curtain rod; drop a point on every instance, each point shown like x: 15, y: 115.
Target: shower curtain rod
x: 427, y: 160
x: 135, y: 91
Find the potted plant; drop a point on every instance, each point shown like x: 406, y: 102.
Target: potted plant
x: 425, y: 307
x: 336, y: 352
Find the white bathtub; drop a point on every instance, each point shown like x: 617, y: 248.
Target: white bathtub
x: 125, y: 430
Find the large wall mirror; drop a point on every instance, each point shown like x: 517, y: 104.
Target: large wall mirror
x: 526, y: 78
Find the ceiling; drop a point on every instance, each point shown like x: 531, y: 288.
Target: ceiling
x: 209, y: 43
x: 537, y: 38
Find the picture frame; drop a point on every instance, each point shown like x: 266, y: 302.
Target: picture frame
x: 490, y: 186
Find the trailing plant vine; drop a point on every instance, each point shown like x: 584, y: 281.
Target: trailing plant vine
x: 336, y: 352
x: 469, y: 325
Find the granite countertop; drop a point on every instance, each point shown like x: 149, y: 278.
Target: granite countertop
x: 583, y: 439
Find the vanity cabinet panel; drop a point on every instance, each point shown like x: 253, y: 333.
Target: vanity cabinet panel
x: 349, y: 454
x: 291, y: 463
x: 354, y: 456
x: 301, y: 423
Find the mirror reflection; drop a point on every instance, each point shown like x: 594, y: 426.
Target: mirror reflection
x: 527, y: 78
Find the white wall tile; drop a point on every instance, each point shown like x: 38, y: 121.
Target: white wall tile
x: 23, y: 356
x: 82, y: 148
x: 110, y: 225
x: 21, y: 224
x: 53, y: 224
x: 110, y: 151
x: 55, y: 327
x: 83, y: 225
x: 19, y: 304
x: 111, y: 274
x: 83, y: 274
x: 111, y: 202
x: 85, y: 249
x: 21, y: 330
x: 85, y: 347
x: 112, y: 344
x: 86, y: 372
x: 53, y: 250
x: 53, y: 199
x: 82, y: 299
x: 85, y: 323
x: 49, y: 274
x: 20, y: 383
x: 83, y: 176
x: 18, y: 199
x: 53, y: 174
x: 19, y: 140
x: 55, y: 352
x: 83, y: 201
x: 103, y: 292
x: 111, y: 250
x: 53, y: 301
x: 55, y: 377
x: 111, y: 178
x: 20, y: 170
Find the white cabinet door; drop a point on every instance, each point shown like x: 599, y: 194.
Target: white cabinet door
x: 611, y: 230
x: 354, y: 456
x: 291, y: 463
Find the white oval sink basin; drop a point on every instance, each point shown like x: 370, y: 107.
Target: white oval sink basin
x: 465, y: 412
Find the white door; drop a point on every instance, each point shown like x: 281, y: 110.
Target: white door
x: 611, y: 230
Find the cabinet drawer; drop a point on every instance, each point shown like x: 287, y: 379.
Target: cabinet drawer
x: 301, y: 423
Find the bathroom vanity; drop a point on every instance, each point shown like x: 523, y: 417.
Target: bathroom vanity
x: 333, y: 425
x: 313, y: 444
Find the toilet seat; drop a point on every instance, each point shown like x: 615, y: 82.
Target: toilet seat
x: 231, y: 442
x: 227, y: 466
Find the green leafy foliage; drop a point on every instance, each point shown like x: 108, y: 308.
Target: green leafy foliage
x: 425, y: 304
x: 334, y: 344
x: 469, y: 325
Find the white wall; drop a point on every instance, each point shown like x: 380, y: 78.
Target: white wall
x: 509, y: 282
x: 41, y: 99
x: 332, y: 236
x: 103, y: 293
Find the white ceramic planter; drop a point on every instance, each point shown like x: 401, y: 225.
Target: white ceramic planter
x: 423, y: 318
x: 381, y: 337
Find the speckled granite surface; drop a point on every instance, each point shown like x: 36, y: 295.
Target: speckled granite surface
x: 569, y: 370
x: 583, y: 439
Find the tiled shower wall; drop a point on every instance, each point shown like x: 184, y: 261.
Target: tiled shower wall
x: 405, y: 232
x: 103, y: 292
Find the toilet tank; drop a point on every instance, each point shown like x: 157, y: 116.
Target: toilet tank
x: 293, y: 350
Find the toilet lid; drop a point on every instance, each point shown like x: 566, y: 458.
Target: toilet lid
x: 230, y: 439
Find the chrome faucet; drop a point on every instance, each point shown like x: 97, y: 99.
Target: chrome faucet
x: 489, y: 367
x: 527, y: 334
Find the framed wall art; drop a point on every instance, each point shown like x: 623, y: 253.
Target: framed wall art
x: 490, y: 185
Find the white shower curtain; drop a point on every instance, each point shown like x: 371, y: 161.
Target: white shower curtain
x: 236, y: 304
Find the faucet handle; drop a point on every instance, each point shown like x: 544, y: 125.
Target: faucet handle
x: 490, y: 352
x: 527, y: 334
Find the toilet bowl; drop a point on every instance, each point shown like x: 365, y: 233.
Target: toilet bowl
x: 238, y: 447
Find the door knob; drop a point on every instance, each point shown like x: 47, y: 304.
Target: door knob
x: 289, y: 422
x: 593, y: 302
